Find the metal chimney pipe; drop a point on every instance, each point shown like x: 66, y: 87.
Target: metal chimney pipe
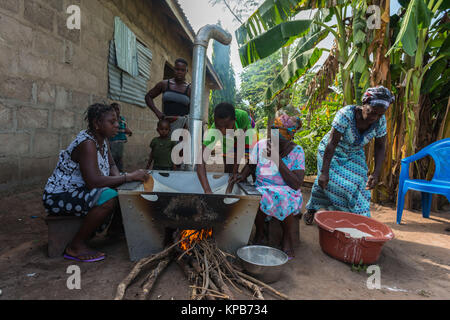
x: 198, y: 86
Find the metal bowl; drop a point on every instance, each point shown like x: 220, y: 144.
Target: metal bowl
x: 264, y: 263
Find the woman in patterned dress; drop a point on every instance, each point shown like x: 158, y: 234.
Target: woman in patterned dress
x: 279, y: 184
x: 82, y: 182
x: 343, y: 183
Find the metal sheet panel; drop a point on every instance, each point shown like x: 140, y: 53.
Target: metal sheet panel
x: 114, y: 74
x: 124, y: 87
x: 144, y: 60
x: 126, y: 48
x: 134, y: 90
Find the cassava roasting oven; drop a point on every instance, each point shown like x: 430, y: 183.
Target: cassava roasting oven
x: 178, y: 202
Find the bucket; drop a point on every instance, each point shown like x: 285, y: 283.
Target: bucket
x: 350, y: 237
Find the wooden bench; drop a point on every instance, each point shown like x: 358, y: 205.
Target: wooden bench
x: 61, y: 230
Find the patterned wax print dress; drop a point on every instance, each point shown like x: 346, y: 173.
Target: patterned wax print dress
x: 66, y: 192
x: 346, y: 189
x: 278, y: 199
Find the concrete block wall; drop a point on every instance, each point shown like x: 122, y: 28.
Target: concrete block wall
x: 49, y: 75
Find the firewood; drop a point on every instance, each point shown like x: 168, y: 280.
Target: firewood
x: 262, y: 284
x: 153, y: 276
x: 122, y: 287
x: 253, y: 287
x: 222, y: 287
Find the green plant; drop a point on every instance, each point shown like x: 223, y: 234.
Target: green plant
x: 315, y: 128
x: 359, y: 267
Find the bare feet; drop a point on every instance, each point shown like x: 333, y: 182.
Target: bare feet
x: 288, y: 248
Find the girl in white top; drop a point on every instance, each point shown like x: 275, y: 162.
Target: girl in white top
x: 82, y: 181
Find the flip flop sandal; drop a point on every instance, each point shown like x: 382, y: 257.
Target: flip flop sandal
x: 289, y: 254
x: 78, y: 258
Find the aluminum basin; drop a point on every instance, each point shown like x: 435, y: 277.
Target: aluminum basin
x: 264, y: 263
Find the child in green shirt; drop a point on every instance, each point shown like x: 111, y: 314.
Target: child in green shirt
x: 161, y: 149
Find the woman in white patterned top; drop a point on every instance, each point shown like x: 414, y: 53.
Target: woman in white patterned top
x: 82, y: 182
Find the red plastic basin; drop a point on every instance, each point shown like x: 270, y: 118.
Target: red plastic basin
x: 342, y: 246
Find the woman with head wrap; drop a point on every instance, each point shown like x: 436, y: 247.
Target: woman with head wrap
x: 279, y: 181
x: 343, y: 183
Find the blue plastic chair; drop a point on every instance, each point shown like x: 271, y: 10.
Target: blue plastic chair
x: 440, y: 184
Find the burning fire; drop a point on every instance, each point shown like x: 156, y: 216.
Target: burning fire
x: 194, y: 235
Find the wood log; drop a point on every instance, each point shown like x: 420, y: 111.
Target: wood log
x: 148, y: 285
x: 122, y: 287
x: 253, y: 287
x: 222, y: 287
x: 262, y: 284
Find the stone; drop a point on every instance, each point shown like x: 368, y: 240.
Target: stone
x: 46, y: 93
x: 10, y: 5
x: 31, y: 118
x: 62, y: 98
x: 31, y: 65
x: 14, y: 144
x: 16, y: 88
x: 6, y: 117
x: 63, y: 119
x: 9, y: 169
x: 13, y: 33
x: 45, y: 45
x: 38, y: 14
x: 80, y: 101
x: 72, y: 35
x: 35, y: 167
x: 45, y: 144
x: 9, y: 60
x: 55, y: 4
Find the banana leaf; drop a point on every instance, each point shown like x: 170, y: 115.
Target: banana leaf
x: 274, y: 39
x: 315, y: 34
x: 295, y: 69
x: 432, y: 75
x: 417, y: 17
x: 273, y: 12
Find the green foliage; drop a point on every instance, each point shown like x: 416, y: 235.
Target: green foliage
x: 295, y: 69
x: 313, y: 131
x: 417, y: 17
x: 359, y: 267
x: 222, y: 64
x: 271, y: 41
x: 256, y: 77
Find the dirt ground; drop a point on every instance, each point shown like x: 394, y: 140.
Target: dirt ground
x: 415, y: 265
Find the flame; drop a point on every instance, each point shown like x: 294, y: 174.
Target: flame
x: 194, y: 235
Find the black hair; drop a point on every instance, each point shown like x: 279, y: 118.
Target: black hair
x: 160, y: 122
x: 96, y: 112
x: 225, y: 110
x: 181, y: 60
x: 116, y: 106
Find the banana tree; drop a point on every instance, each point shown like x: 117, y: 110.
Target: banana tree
x: 418, y: 37
x: 420, y: 78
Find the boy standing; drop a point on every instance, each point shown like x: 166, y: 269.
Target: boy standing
x: 161, y: 149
